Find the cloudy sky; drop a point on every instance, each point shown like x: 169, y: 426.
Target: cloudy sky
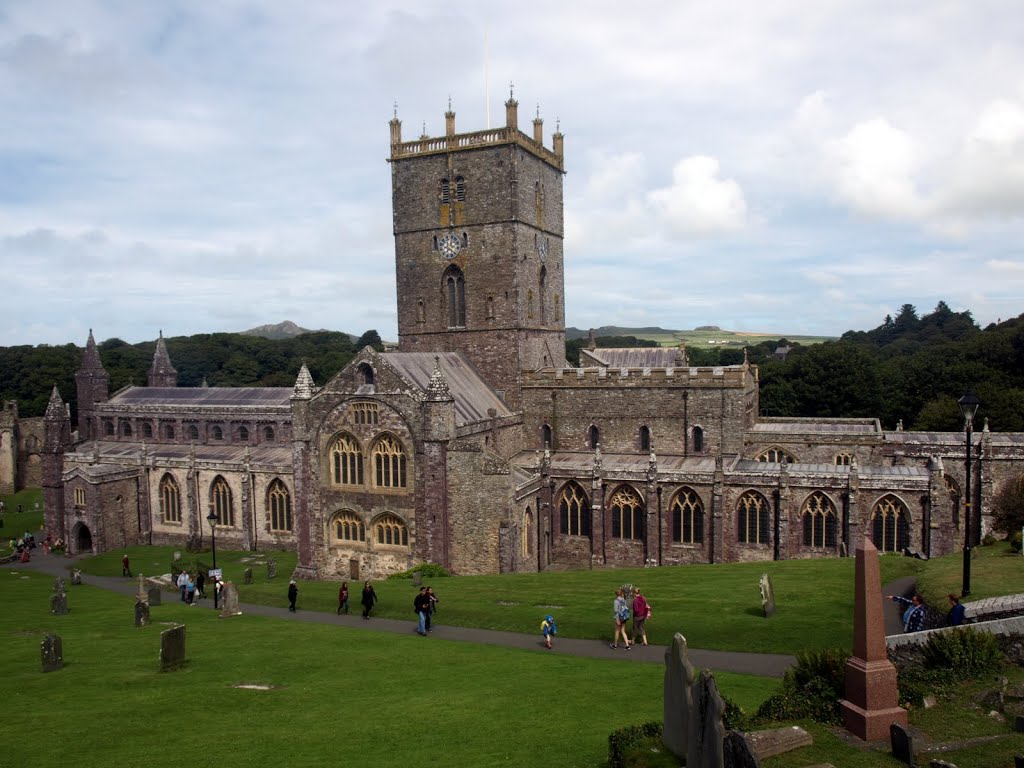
x: 780, y: 166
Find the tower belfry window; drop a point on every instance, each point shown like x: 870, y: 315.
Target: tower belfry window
x: 446, y: 193
x: 460, y: 189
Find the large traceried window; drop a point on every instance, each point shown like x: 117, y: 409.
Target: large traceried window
x: 346, y: 461
x: 279, y: 504
x: 818, y: 517
x: 753, y: 518
x: 526, y: 545
x: 890, y: 524
x: 389, y: 463
x: 574, y: 511
x: 455, y: 296
x: 170, y: 500
x: 347, y: 526
x: 627, y: 509
x: 390, y: 531
x: 687, y: 512
x: 220, y: 502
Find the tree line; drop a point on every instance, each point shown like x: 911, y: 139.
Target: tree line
x: 911, y: 369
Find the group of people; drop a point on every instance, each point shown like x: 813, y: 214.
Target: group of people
x: 424, y: 604
x: 639, y: 612
x: 191, y: 588
x: 916, y: 611
x: 23, y: 547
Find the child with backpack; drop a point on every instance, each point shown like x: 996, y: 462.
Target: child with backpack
x: 549, y: 630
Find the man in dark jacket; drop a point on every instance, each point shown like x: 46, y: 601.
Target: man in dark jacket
x: 293, y: 595
x: 421, y: 604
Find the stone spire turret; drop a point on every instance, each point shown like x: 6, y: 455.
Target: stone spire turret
x: 438, y: 388
x: 56, y: 439
x: 92, y: 383
x: 304, y: 386
x: 161, y: 372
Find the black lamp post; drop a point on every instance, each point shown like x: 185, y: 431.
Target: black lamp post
x: 968, y: 407
x: 212, y: 520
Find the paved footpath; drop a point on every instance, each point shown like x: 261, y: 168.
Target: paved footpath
x: 764, y: 664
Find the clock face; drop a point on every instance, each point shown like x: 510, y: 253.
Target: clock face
x: 449, y: 245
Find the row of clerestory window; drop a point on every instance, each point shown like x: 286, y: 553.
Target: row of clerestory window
x: 189, y: 431
x: 277, y: 503
x: 643, y: 437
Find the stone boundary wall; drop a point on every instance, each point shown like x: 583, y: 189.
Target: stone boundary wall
x: 905, y: 650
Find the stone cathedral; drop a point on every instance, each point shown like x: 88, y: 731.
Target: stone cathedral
x: 474, y: 445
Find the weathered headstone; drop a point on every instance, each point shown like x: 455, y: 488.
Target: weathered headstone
x: 871, y: 702
x: 417, y: 579
x: 52, y: 651
x: 177, y: 556
x: 141, y: 613
x: 902, y: 744
x: 172, y: 648
x: 229, y: 600
x: 58, y: 585
x: 737, y: 752
x: 271, y: 568
x: 153, y: 595
x: 59, y: 604
x: 767, y: 595
x: 247, y: 576
x: 775, y: 741
x: 76, y: 577
x: 706, y: 735
x: 679, y: 677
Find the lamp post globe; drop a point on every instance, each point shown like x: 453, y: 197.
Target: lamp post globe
x: 968, y: 408
x: 212, y: 520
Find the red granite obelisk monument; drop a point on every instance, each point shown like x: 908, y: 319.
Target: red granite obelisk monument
x: 872, y: 702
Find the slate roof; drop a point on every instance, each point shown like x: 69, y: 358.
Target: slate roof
x: 211, y: 397
x: 264, y: 454
x: 472, y: 395
x: 874, y: 470
x: 864, y: 427
x: 634, y: 357
x: 583, y: 462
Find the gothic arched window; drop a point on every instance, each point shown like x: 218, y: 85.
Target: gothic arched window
x: 687, y: 512
x: 627, y: 514
x: 279, y: 504
x: 147, y: 430
x: 346, y: 526
x: 890, y: 524
x: 594, y: 436
x: 193, y: 432
x: 776, y: 456
x: 390, y: 531
x: 169, y: 431
x: 446, y: 192
x: 645, y: 438
x: 752, y: 518
x: 268, y: 434
x: 346, y: 461
x: 698, y: 440
x: 460, y: 189
x: 389, y: 463
x: 574, y: 511
x: 455, y: 296
x: 526, y: 548
x: 220, y: 502
x: 170, y: 500
x: 547, y: 436
x: 819, y: 521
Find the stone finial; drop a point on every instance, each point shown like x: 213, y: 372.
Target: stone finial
x: 205, y: 384
x: 55, y: 408
x: 684, y: 360
x: 899, y: 425
x: 91, y: 357
x: 597, y: 460
x: 746, y: 360
x: 304, y: 387
x: 591, y: 339
x: 438, y: 388
x: 985, y: 428
x: 162, y: 373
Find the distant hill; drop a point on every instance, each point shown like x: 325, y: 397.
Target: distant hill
x: 615, y: 330
x: 704, y: 336
x: 285, y: 330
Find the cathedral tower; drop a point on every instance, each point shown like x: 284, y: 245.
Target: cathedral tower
x: 478, y: 247
x: 93, y: 385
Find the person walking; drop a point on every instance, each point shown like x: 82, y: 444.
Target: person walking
x: 293, y: 595
x: 421, y: 605
x: 190, y: 590
x: 182, y: 583
x: 368, y: 599
x: 549, y: 630
x: 957, y: 612
x: 125, y: 566
x: 201, y: 585
x: 432, y: 605
x: 343, y: 598
x: 641, y: 612
x: 621, y: 612
x: 913, y: 617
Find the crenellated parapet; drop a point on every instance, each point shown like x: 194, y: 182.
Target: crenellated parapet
x: 737, y: 376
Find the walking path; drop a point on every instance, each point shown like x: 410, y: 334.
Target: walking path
x: 763, y: 664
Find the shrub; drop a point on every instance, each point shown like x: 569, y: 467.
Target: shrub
x: 625, y: 738
x: 1015, y: 542
x: 965, y: 652
x: 428, y: 570
x: 812, y: 689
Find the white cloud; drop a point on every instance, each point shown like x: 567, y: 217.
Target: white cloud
x: 699, y: 201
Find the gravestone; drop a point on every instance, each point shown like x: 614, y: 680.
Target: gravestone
x: 172, y: 648
x: 679, y: 677
x: 775, y: 741
x: 141, y: 613
x: 52, y: 651
x: 902, y: 744
x: 737, y: 752
x: 247, y: 576
x: 76, y: 577
x: 59, y: 604
x: 417, y: 579
x: 153, y: 595
x: 271, y: 568
x: 706, y: 733
x: 767, y: 595
x: 58, y: 585
x: 229, y: 600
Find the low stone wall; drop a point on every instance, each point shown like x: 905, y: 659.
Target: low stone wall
x: 905, y: 650
x: 994, y: 608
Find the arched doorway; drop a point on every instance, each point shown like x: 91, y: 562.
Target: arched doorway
x: 82, y: 538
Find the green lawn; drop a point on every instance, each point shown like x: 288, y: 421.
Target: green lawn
x: 15, y: 524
